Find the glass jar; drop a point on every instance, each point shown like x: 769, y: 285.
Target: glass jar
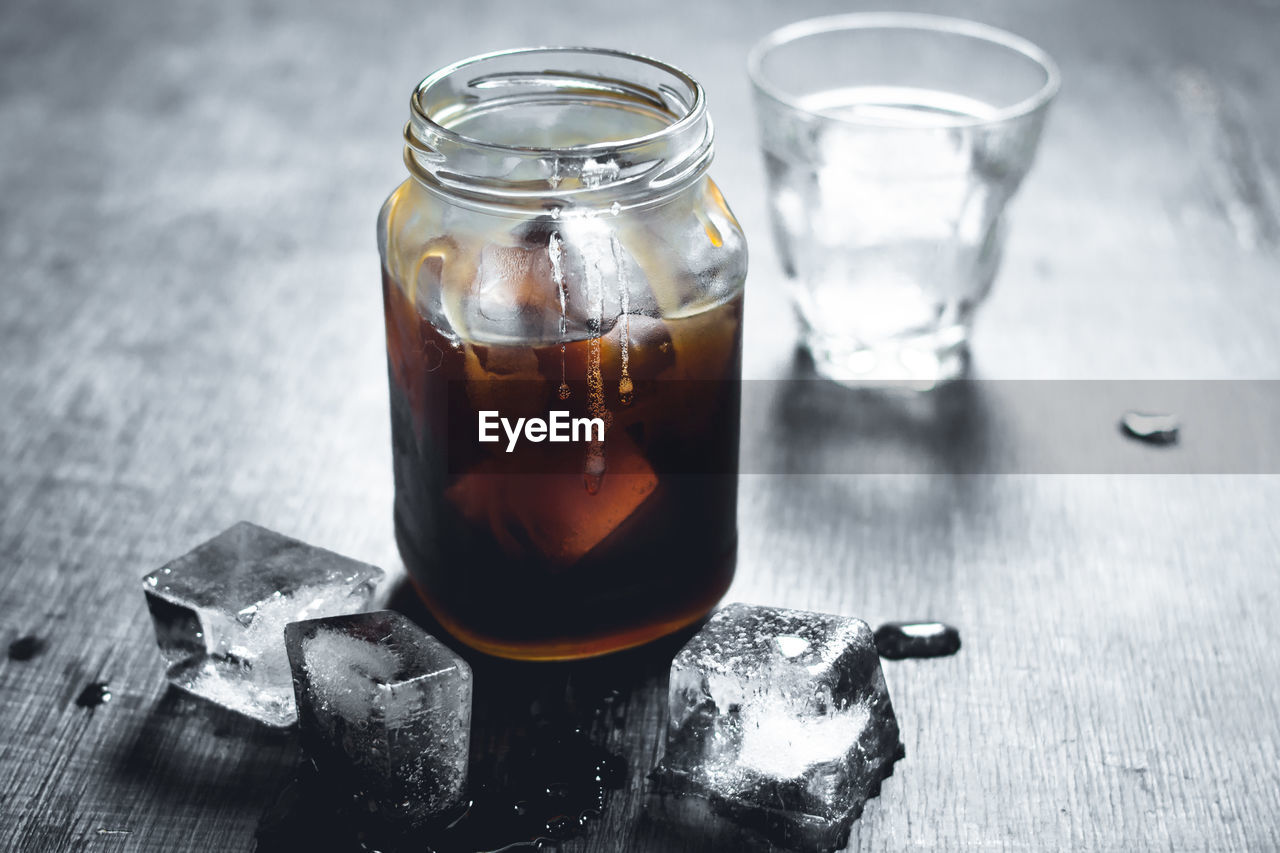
x: 559, y: 248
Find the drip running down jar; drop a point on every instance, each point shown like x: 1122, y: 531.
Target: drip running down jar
x: 559, y: 247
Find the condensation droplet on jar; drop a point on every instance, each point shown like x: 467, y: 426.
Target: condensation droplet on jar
x: 556, y: 254
x: 625, y: 387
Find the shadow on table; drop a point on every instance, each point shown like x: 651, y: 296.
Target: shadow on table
x: 187, y: 750
x: 549, y: 746
x: 550, y: 743
x: 804, y: 424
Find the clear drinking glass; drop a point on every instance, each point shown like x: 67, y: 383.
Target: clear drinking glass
x: 892, y: 144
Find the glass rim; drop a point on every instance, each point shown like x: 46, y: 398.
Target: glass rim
x: 906, y: 21
x: 697, y: 109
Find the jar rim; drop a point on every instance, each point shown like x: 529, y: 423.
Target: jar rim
x: 633, y: 170
x: 697, y: 109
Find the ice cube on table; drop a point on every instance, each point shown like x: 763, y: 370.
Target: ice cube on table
x: 220, y: 611
x: 780, y: 720
x: 385, y: 709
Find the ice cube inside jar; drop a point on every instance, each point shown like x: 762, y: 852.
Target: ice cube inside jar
x: 550, y: 514
x: 780, y: 721
x: 220, y: 612
x: 384, y: 709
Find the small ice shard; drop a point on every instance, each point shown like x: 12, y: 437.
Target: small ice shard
x: 898, y: 640
x: 1151, y: 427
x: 220, y: 611
x: 780, y: 721
x: 385, y: 709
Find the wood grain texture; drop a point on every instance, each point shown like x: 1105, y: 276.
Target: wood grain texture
x: 191, y: 334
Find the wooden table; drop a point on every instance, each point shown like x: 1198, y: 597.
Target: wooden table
x: 190, y: 334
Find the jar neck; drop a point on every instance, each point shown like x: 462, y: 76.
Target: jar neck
x: 544, y: 128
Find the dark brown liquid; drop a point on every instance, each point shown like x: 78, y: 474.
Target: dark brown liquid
x: 568, y: 550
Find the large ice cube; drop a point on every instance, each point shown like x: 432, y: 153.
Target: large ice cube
x: 384, y: 708
x: 549, y: 514
x: 220, y: 612
x: 779, y: 720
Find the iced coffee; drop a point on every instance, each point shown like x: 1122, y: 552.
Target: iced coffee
x: 562, y: 286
